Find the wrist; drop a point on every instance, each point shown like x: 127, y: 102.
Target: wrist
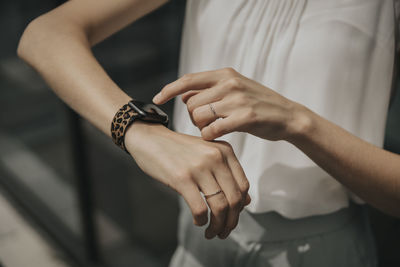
x: 302, y: 124
x: 140, y: 132
x: 130, y: 116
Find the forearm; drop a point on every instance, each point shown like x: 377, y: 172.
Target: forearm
x: 370, y: 172
x: 63, y: 57
x: 58, y: 45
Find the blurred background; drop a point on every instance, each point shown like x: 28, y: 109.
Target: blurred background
x: 67, y: 193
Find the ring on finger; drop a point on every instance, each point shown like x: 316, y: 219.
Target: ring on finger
x: 213, y: 110
x: 213, y: 194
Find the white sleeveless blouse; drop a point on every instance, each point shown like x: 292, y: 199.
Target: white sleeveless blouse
x: 333, y: 56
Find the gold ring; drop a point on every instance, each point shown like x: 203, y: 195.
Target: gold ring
x: 213, y: 194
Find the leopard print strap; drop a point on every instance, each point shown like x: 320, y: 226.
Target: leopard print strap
x: 122, y: 120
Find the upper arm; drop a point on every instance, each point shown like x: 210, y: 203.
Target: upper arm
x: 99, y: 19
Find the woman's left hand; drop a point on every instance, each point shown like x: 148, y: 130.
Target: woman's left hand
x: 224, y: 101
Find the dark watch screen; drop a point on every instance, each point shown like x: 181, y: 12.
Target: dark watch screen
x: 149, y: 112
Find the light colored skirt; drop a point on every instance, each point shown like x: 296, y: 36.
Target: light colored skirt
x: 340, y: 239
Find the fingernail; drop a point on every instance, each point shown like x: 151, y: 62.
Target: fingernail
x: 209, y: 235
x: 224, y: 235
x: 248, y: 200
x: 157, y: 98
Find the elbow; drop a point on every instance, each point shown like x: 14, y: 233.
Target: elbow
x: 44, y: 37
x: 30, y: 40
x: 27, y: 39
x: 21, y: 48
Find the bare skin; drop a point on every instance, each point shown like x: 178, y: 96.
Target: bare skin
x: 58, y: 45
x: 247, y: 106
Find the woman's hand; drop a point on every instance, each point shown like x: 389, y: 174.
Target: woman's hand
x: 245, y: 105
x: 224, y: 101
x: 191, y: 165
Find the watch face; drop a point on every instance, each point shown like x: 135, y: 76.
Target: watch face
x: 149, y: 112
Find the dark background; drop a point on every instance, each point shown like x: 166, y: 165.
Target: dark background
x: 134, y: 216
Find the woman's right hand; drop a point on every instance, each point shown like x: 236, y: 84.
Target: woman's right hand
x: 190, y: 165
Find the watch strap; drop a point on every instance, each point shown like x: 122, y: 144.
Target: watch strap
x: 124, y: 117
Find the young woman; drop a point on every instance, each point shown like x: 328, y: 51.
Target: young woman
x: 256, y: 71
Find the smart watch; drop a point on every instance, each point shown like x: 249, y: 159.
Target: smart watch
x: 149, y: 112
x: 130, y: 112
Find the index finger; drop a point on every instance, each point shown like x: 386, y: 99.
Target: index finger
x: 192, y: 81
